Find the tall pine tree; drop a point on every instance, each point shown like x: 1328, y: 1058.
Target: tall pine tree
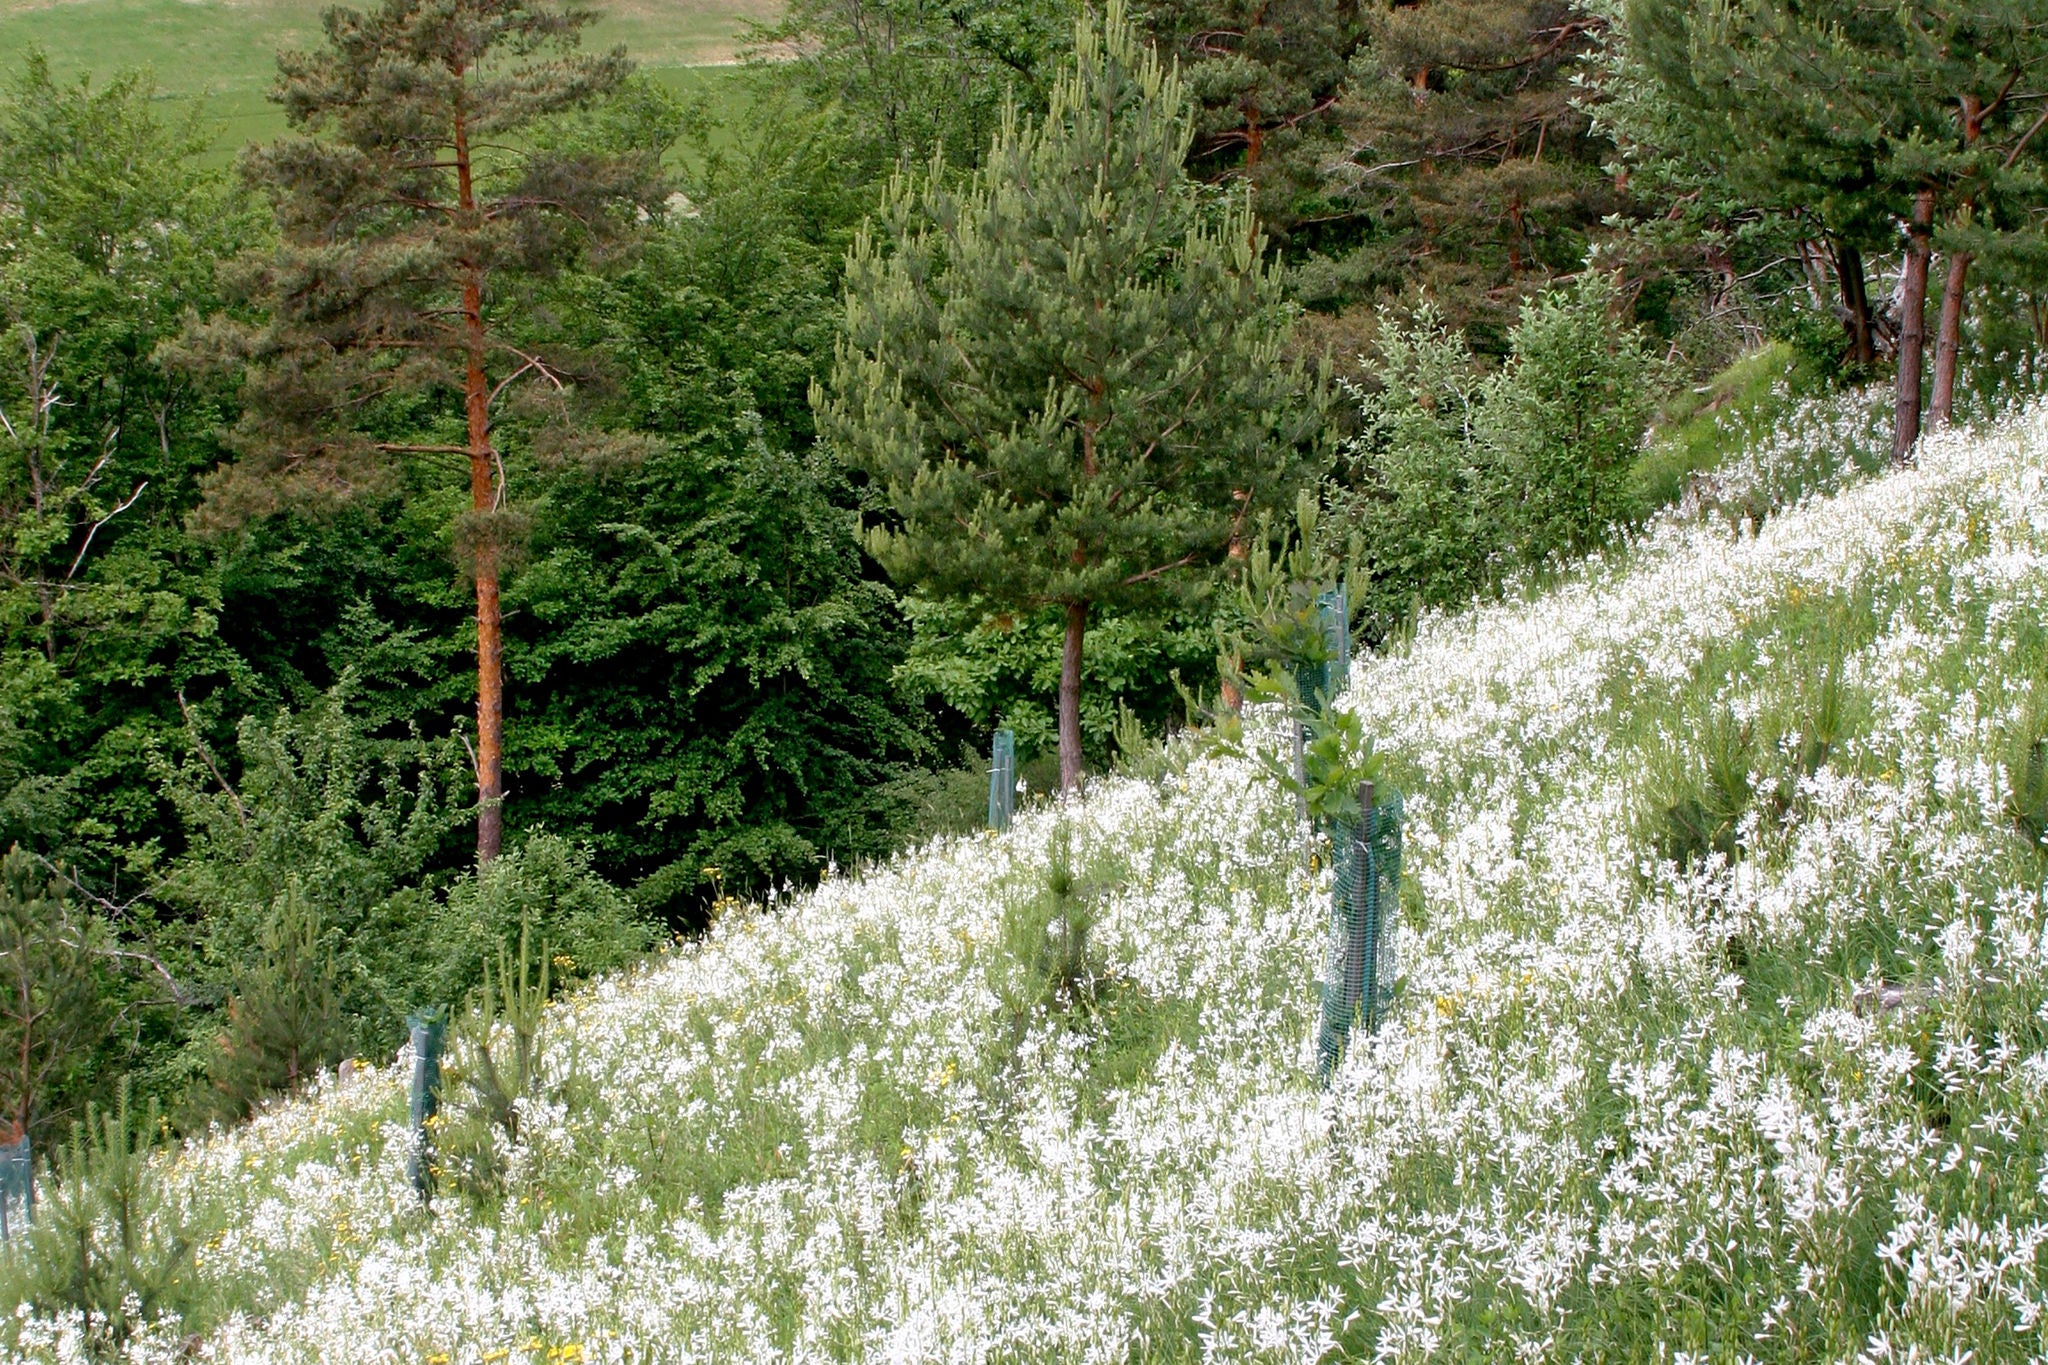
x: 1266, y: 76
x: 1923, y: 112
x: 415, y: 203
x: 1066, y: 382
x: 1472, y: 152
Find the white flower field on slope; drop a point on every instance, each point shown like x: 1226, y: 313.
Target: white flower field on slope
x: 1781, y: 1106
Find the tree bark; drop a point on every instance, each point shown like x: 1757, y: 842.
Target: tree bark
x: 1948, y: 335
x: 1856, y: 303
x: 483, y: 499
x: 1912, y: 327
x: 1948, y: 338
x: 1070, y: 697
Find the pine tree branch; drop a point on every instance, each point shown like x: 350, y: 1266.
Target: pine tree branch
x: 1988, y: 110
x: 2025, y: 138
x: 1565, y: 33
x: 1149, y: 574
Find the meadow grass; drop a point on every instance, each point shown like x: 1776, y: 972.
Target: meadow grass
x: 1700, y: 428
x: 220, y: 56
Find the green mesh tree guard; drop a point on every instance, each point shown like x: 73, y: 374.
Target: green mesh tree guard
x: 1366, y: 868
x: 17, y: 1188
x: 1002, y: 780
x: 429, y: 1032
x: 1319, y: 682
x: 1333, y: 614
x: 1322, y: 679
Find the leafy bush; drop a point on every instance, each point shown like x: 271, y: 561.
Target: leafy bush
x: 1458, y: 477
x: 1420, y: 482
x: 320, y: 819
x: 930, y: 802
x: 1002, y: 669
x: 545, y: 888
x: 1566, y: 417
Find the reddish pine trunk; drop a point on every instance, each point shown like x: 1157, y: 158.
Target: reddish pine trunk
x: 1912, y: 328
x: 490, y: 645
x: 1948, y: 338
x: 1070, y: 697
x: 1856, y: 303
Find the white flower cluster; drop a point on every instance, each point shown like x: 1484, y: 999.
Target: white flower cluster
x: 1779, y: 1098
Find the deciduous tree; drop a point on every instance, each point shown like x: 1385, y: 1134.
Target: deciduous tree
x: 110, y: 231
x: 912, y: 79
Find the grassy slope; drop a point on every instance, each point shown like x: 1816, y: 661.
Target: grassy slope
x: 222, y: 53
x: 1786, y: 1109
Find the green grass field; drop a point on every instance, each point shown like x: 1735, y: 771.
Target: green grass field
x: 222, y: 53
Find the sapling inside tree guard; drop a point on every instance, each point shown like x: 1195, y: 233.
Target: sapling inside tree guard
x: 1300, y: 624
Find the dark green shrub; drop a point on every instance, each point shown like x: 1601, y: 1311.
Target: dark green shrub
x: 56, y: 995
x: 284, y: 1020
x: 544, y: 887
x: 1706, y: 817
x: 1417, y: 485
x: 1045, y: 939
x: 925, y: 803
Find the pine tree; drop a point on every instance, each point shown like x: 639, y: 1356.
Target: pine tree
x: 1982, y: 58
x: 55, y: 995
x: 418, y: 197
x: 1266, y: 76
x: 1472, y: 153
x: 1694, y: 187
x: 1924, y: 112
x: 284, y: 1020
x: 1066, y: 384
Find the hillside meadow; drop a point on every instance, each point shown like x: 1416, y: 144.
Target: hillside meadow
x: 1717, y: 1033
